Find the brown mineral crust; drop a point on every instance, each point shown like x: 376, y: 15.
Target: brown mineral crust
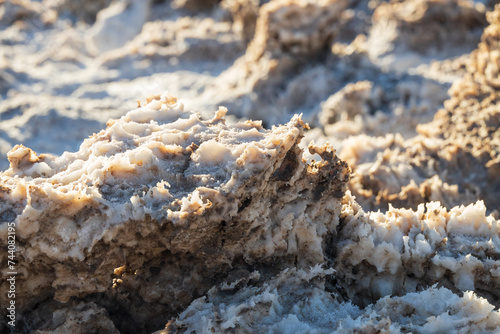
x: 471, y: 118
x: 406, y: 174
x: 470, y: 122
x: 455, y: 158
x: 79, y: 318
x: 244, y: 13
x: 180, y: 217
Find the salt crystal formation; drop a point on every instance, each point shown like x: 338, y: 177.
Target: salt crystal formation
x: 415, y: 29
x: 403, y: 251
x: 456, y: 157
x: 172, y: 221
x: 156, y: 209
x: 295, y: 301
x: 161, y: 208
x: 287, y: 33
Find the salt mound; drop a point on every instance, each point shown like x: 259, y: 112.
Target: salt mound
x: 403, y: 251
x: 455, y: 159
x: 162, y: 208
x: 154, y: 210
x: 288, y: 33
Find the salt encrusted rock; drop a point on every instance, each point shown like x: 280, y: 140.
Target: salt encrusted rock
x: 365, y: 108
x: 456, y: 157
x: 470, y: 122
x: 128, y: 264
x: 160, y: 206
x: 374, y: 255
x: 296, y: 27
x: 402, y: 172
x: 295, y: 301
x: 404, y: 251
x: 298, y: 301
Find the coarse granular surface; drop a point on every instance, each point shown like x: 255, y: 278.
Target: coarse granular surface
x: 290, y: 166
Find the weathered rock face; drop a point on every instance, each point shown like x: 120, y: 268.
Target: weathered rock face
x: 160, y: 206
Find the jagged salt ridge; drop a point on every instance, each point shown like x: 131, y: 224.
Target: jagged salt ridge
x: 157, y: 208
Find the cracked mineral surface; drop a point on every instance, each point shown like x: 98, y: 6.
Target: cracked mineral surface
x: 348, y: 180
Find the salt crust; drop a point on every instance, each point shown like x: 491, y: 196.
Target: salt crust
x: 457, y: 247
x: 162, y: 207
x: 454, y: 159
x: 399, y: 257
x: 405, y: 251
x: 288, y: 33
x: 409, y: 33
x: 296, y: 302
x: 161, y: 195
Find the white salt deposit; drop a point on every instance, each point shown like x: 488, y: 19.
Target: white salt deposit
x: 173, y: 216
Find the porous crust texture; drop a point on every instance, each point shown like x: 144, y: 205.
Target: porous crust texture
x: 167, y: 221
x: 162, y: 196
x: 455, y: 158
